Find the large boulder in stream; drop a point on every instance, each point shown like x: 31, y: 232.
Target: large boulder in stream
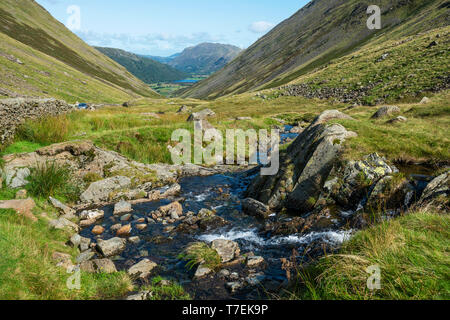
x: 305, y: 166
x: 437, y: 192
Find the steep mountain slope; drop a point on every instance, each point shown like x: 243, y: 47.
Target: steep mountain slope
x: 204, y: 58
x: 47, y: 49
x: 146, y: 69
x: 320, y: 32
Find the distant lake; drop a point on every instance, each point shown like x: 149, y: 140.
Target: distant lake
x: 186, y: 81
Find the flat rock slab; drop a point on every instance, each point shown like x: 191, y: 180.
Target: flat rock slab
x: 142, y: 269
x: 112, y: 246
x: 23, y: 207
x: 98, y: 266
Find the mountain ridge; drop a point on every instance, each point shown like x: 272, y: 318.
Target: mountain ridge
x: 43, y: 39
x: 318, y: 33
x: 146, y: 69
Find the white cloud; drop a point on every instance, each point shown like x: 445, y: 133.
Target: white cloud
x: 156, y: 44
x: 260, y: 26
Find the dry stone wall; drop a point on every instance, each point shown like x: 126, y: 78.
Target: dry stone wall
x: 15, y: 111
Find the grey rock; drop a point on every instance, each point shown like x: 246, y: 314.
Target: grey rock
x: 305, y: 167
x: 440, y: 186
x: 100, y: 190
x: 201, y: 115
x: 75, y: 240
x: 202, y: 272
x: 63, y: 223
x: 254, y: 261
x: 385, y: 111
x: 85, y: 256
x: 69, y: 212
x: 92, y: 215
x: 112, y: 246
x: 98, y: 266
x: 141, y: 296
x: 228, y: 250
x: 142, y: 269
x: 255, y: 208
x: 234, y: 286
x: 85, y: 244
x: 122, y: 207
x: 17, y: 178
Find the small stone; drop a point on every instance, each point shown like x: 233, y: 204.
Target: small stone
x: 69, y: 212
x: 224, y: 273
x: 111, y: 247
x: 233, y: 286
x: 124, y: 231
x: 98, y: 230
x: 205, y: 213
x: 115, y: 227
x: 63, y: 260
x: 142, y: 269
x: 254, y: 261
x: 63, y: 223
x: 85, y: 256
x: 122, y: 207
x: 141, y: 226
x: 75, y: 240
x: 21, y: 194
x: 202, y: 272
x: 87, y: 223
x: 85, y: 244
x: 92, y: 215
x: 125, y: 217
x: 227, y: 249
x: 134, y: 240
x: 98, y: 266
x: 425, y: 100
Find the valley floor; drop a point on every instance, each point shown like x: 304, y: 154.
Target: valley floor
x: 412, y: 251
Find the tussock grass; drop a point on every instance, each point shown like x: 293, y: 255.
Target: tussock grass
x: 411, y: 251
x: 200, y: 253
x: 51, y: 179
x: 161, y: 290
x: 28, y: 272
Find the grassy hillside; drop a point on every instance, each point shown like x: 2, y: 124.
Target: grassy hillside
x: 411, y: 252
x: 146, y: 69
x: 48, y: 49
x: 321, y: 31
x: 205, y: 58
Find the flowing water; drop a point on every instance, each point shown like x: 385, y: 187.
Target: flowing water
x: 223, y: 194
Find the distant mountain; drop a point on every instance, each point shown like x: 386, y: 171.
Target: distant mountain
x: 205, y: 58
x: 39, y: 56
x: 165, y: 60
x: 322, y: 31
x: 148, y: 70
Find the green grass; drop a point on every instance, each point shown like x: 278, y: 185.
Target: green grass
x: 51, y: 179
x: 21, y: 146
x: 165, y: 291
x: 28, y: 272
x: 411, y: 251
x: 200, y: 253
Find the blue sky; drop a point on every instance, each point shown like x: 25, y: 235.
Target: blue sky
x: 168, y: 26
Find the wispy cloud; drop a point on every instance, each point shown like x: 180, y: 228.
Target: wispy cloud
x: 260, y: 26
x: 147, y: 43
